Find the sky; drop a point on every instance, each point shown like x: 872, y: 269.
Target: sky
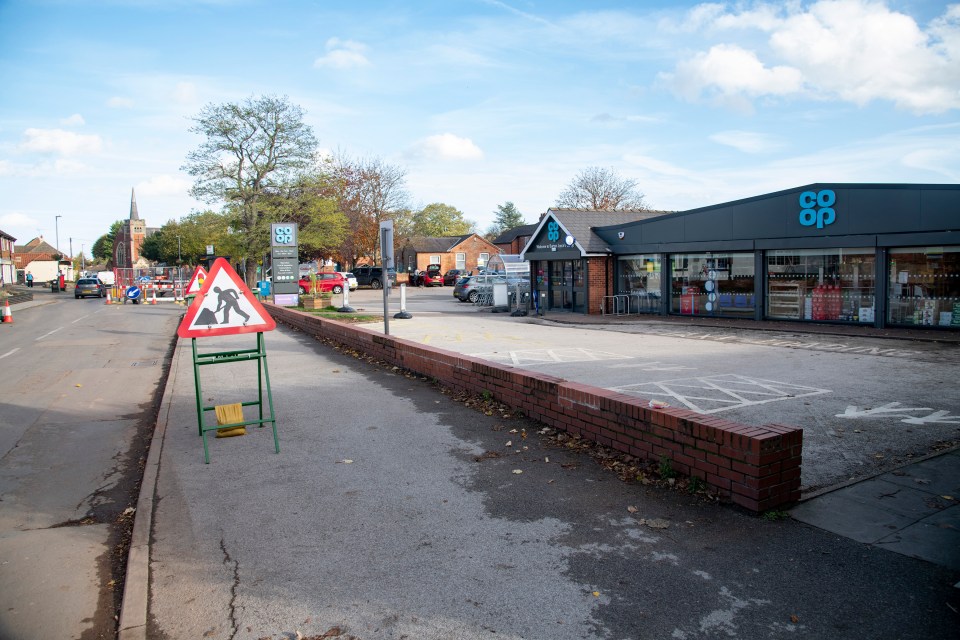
x: 481, y: 102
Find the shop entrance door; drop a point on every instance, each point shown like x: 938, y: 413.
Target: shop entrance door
x: 567, y: 288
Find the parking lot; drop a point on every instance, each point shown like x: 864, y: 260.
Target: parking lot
x: 865, y: 404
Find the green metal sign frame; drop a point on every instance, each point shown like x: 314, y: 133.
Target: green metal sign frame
x: 263, y: 376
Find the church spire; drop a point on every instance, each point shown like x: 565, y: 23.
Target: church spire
x: 133, y: 205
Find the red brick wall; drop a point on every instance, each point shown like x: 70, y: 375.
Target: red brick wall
x: 598, y: 282
x: 757, y: 468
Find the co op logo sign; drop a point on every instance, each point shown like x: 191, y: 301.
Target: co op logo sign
x: 816, y: 208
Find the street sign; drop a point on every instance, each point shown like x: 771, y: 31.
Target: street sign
x: 196, y: 282
x: 225, y: 306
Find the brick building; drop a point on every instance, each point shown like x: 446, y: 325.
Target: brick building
x: 129, y: 238
x: 468, y: 252
x: 512, y: 241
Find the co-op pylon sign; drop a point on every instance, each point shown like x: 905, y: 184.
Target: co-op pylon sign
x: 225, y: 306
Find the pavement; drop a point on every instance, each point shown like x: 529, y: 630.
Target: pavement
x: 396, y: 511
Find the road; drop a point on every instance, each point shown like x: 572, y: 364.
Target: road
x: 77, y: 406
x: 865, y: 404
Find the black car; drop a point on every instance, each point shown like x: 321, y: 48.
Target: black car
x: 450, y: 277
x: 88, y: 287
x: 372, y: 277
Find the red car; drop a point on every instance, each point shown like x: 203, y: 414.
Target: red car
x: 333, y: 282
x: 427, y: 279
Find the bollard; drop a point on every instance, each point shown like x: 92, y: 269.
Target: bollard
x: 345, y: 307
x: 403, y: 315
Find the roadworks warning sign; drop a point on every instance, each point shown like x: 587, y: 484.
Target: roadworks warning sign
x: 224, y: 306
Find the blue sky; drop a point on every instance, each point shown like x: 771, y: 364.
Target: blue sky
x: 480, y: 101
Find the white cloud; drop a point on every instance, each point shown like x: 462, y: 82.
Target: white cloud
x: 116, y: 102
x: 17, y: 219
x: 76, y: 120
x: 450, y: 147
x: 58, y: 141
x: 857, y: 51
x: 185, y: 93
x: 727, y: 71
x: 343, y: 54
x: 747, y: 141
x: 164, y: 185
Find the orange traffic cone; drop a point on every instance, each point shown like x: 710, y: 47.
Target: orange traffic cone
x: 7, y: 315
x: 109, y: 299
x: 153, y: 296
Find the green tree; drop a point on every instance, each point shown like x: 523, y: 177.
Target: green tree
x: 251, y: 150
x: 439, y: 220
x: 601, y: 189
x: 506, y: 217
x: 308, y: 201
x: 102, y: 250
x: 195, y: 232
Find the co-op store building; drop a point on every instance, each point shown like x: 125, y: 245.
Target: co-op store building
x: 864, y: 254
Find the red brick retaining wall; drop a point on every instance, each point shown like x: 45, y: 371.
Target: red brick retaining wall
x: 755, y: 467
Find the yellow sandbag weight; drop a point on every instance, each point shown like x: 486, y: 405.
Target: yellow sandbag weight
x: 230, y: 414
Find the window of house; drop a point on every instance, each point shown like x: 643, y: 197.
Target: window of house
x: 461, y: 261
x: 435, y: 259
x: 482, y: 260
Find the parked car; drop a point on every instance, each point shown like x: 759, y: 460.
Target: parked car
x: 368, y: 276
x: 351, y: 279
x: 89, y: 287
x: 426, y: 279
x: 469, y: 288
x: 450, y: 277
x: 331, y: 281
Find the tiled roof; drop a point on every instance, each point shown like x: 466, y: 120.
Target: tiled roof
x: 579, y: 223
x: 426, y: 244
x: 510, y: 235
x: 37, y: 245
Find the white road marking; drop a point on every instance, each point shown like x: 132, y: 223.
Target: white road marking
x: 48, y: 333
x: 895, y: 410
x: 9, y: 353
x: 80, y: 318
x: 532, y: 357
x: 713, y: 394
x: 656, y: 365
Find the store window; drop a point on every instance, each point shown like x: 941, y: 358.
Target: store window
x: 821, y: 284
x: 712, y: 284
x: 924, y: 287
x: 639, y: 280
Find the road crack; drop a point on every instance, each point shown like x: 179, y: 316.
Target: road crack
x: 230, y: 563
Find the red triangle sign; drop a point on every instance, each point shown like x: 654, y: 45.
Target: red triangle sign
x: 225, y: 306
x: 196, y: 282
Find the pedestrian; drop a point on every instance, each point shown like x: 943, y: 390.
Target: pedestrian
x: 29, y: 280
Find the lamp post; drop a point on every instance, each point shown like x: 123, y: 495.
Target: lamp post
x: 56, y: 227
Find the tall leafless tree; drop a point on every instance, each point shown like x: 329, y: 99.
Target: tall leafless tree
x: 601, y: 189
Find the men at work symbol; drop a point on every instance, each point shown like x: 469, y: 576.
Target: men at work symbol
x: 228, y: 301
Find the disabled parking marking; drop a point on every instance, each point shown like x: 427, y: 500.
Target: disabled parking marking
x: 713, y: 394
x: 533, y: 357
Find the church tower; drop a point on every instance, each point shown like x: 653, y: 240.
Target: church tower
x: 129, y: 238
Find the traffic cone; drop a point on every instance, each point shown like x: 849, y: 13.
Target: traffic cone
x: 109, y: 299
x: 7, y: 316
x: 153, y: 296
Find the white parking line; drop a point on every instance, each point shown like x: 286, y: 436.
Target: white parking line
x: 11, y: 352
x: 47, y: 334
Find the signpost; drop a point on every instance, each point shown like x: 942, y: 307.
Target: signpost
x: 284, y: 255
x: 386, y: 259
x: 225, y: 306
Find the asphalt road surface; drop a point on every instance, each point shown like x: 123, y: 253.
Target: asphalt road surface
x: 77, y: 404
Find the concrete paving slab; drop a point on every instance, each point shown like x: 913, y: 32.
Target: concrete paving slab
x: 854, y: 519
x: 938, y: 475
x: 934, y: 539
x: 902, y: 500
